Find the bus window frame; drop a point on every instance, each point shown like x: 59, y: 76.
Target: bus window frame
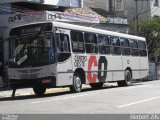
x: 133, y: 48
x: 83, y: 42
x: 106, y: 46
x: 125, y: 47
x: 115, y: 46
x: 142, y: 49
x: 95, y: 45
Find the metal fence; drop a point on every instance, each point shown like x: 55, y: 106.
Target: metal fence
x: 154, y: 71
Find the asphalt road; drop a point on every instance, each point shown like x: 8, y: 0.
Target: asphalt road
x: 143, y: 97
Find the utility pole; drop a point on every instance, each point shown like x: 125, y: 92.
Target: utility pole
x: 137, y: 18
x: 82, y: 3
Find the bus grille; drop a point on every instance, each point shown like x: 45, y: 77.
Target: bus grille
x: 29, y: 76
x: 29, y: 70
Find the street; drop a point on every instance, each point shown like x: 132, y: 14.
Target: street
x: 142, y: 97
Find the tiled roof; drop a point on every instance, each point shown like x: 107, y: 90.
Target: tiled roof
x: 99, y: 13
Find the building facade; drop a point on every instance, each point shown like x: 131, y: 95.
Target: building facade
x: 115, y: 7
x: 9, y: 8
x: 143, y: 9
x: 103, y: 4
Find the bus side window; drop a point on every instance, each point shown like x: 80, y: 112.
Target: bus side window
x: 115, y: 45
x: 142, y: 48
x: 134, y: 47
x: 103, y: 44
x: 77, y: 41
x: 91, y: 43
x: 125, y: 46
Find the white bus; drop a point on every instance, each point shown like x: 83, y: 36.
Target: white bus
x: 55, y: 54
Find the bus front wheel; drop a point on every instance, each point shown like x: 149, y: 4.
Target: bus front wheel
x: 39, y: 90
x: 96, y: 85
x: 77, y: 83
x: 127, y: 81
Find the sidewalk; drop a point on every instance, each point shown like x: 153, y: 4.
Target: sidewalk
x: 29, y: 91
x: 19, y: 92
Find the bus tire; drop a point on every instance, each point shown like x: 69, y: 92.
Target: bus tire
x: 77, y: 83
x: 39, y: 90
x: 127, y: 81
x: 96, y: 85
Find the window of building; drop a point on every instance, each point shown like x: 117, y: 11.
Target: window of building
x: 91, y: 43
x: 77, y: 41
x: 156, y: 3
x: 104, y: 44
x: 125, y: 48
x: 134, y: 47
x: 115, y: 45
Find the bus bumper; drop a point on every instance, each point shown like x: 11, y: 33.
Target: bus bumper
x: 48, y: 82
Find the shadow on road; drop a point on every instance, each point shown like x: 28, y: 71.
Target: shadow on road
x: 24, y: 97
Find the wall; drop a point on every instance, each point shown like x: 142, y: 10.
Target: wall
x: 155, y: 8
x: 72, y: 3
x: 103, y: 4
x: 143, y: 9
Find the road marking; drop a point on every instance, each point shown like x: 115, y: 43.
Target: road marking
x: 136, y: 86
x: 64, y: 98
x: 121, y: 106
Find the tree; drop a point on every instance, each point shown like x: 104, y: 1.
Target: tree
x: 150, y: 29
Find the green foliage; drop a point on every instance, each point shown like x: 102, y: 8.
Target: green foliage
x: 150, y: 29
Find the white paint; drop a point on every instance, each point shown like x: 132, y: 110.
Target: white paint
x: 63, y: 98
x: 133, y: 103
x: 135, y: 87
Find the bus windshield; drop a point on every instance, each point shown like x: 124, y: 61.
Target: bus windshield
x: 31, y: 50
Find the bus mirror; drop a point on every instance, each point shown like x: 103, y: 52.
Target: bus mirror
x: 6, y: 64
x: 55, y: 29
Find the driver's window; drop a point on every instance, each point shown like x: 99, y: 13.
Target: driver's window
x: 62, y: 43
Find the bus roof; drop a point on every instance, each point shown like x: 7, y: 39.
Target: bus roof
x: 95, y: 30
x: 87, y: 29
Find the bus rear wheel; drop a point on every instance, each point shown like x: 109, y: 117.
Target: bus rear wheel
x: 127, y: 81
x: 77, y: 83
x: 96, y: 85
x: 39, y: 90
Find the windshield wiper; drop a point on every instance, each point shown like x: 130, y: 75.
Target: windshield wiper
x: 21, y: 60
x: 18, y: 49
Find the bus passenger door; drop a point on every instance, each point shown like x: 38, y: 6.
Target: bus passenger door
x: 134, y: 59
x: 144, y: 67
x: 64, y: 66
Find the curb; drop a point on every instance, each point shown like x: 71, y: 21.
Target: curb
x: 29, y: 91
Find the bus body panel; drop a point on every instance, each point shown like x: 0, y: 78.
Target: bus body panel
x: 144, y: 67
x: 132, y: 63
x: 32, y: 75
x: 64, y: 73
x: 115, y: 67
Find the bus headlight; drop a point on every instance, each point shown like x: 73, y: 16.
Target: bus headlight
x: 50, y: 74
x: 11, y: 76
